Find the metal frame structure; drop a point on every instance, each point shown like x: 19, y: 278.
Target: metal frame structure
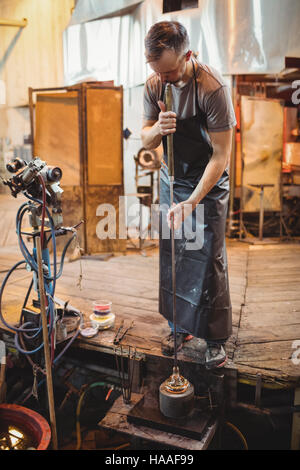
x: 81, y: 89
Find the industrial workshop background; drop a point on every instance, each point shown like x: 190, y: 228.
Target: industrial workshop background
x: 72, y: 76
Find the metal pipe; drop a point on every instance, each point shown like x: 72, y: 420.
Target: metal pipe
x: 46, y: 344
x: 261, y: 212
x: 258, y: 390
x: 173, y: 271
x: 31, y: 118
x: 171, y: 176
x: 126, y: 378
x: 169, y: 103
x: 20, y: 24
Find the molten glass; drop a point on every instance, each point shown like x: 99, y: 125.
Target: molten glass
x: 176, y: 383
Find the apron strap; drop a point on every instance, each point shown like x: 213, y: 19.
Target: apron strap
x: 201, y: 113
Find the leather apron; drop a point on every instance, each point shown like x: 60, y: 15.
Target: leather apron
x: 203, y: 306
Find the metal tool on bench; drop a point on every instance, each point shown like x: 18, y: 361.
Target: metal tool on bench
x: 176, y: 394
x: 121, y: 333
x: 128, y: 354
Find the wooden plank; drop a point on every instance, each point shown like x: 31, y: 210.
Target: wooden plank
x: 272, y: 378
x: 266, y: 352
x: 281, y: 266
x: 69, y: 290
x: 282, y: 283
x: 264, y: 319
x: 268, y: 333
x: 269, y: 322
x: 270, y: 295
x: 111, y: 272
x: 10, y: 228
x: 284, y: 306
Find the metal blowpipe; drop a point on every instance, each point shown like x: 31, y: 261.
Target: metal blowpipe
x: 169, y: 106
x: 176, y: 394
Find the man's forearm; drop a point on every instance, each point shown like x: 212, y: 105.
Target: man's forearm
x: 210, y: 177
x: 151, y: 137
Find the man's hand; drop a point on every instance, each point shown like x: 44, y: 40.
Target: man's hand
x: 153, y: 131
x: 179, y: 212
x: 166, y: 120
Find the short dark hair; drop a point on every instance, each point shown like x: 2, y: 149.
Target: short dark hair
x: 165, y: 35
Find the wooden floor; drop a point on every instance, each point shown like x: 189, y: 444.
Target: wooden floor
x: 264, y: 286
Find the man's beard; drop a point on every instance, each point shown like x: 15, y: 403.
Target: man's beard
x: 173, y: 82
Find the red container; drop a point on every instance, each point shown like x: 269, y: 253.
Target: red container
x: 31, y: 422
x: 101, y: 307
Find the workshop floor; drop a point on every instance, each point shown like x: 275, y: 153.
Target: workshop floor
x: 264, y: 286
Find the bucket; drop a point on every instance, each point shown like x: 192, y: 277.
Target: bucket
x: 25, y: 424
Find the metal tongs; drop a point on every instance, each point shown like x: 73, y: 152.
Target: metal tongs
x: 121, y: 333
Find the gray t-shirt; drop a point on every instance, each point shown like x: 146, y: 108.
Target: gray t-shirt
x: 213, y: 98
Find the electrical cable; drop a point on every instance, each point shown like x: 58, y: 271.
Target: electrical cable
x: 6, y: 270
x: 43, y: 209
x: 50, y: 281
x: 56, y: 359
x: 79, y: 405
x: 238, y: 432
x: 52, y: 237
x: 11, y: 327
x: 22, y: 327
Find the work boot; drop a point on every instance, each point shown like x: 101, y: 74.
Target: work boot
x: 215, y: 355
x: 195, y: 349
x: 167, y: 344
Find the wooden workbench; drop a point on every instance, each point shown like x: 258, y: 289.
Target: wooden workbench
x: 265, y: 294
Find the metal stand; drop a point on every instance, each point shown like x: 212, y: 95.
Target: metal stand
x: 46, y: 344
x: 145, y: 195
x: 261, y: 206
x: 143, y: 244
x: 260, y: 239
